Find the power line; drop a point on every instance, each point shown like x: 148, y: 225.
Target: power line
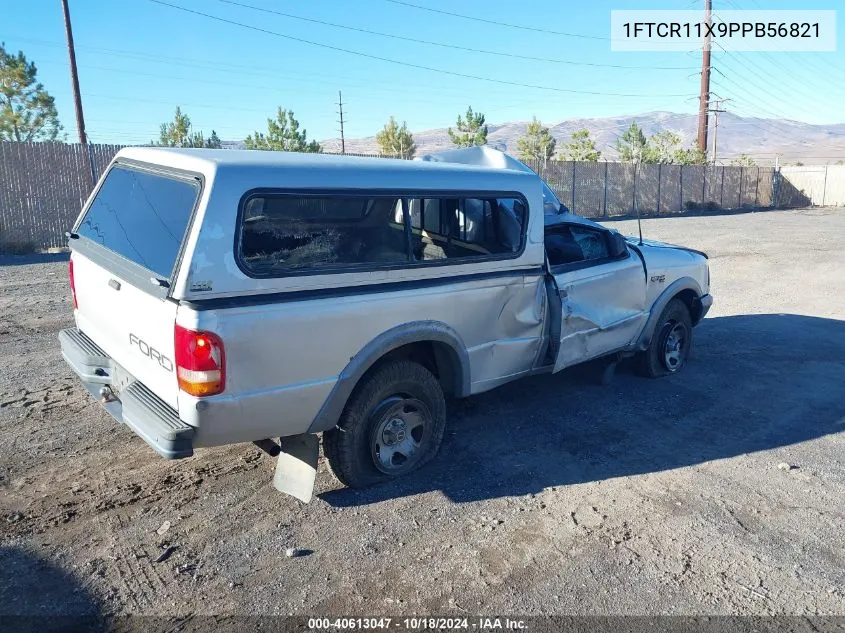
x: 451, y: 46
x: 372, y: 85
x: 775, y: 121
x: 455, y: 99
x: 790, y: 58
x: 764, y: 89
x: 407, y: 64
x: 264, y: 71
x: 506, y: 24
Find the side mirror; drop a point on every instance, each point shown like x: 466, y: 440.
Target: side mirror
x: 618, y: 245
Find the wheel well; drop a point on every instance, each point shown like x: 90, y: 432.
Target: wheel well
x: 438, y: 358
x: 690, y: 299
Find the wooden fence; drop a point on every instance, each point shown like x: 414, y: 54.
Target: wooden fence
x: 42, y: 189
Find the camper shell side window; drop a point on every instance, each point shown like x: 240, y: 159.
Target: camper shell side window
x: 288, y: 233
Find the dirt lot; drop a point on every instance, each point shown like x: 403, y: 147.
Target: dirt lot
x: 551, y: 495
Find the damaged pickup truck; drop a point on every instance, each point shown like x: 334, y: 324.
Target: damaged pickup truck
x: 235, y: 296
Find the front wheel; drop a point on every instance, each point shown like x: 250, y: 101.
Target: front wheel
x: 391, y: 426
x: 670, y: 346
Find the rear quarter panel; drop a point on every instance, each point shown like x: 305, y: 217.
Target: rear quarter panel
x: 283, y: 359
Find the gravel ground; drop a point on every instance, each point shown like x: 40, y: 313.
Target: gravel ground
x: 550, y: 495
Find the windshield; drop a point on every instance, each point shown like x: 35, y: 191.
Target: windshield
x: 551, y: 205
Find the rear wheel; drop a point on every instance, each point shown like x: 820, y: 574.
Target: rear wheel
x: 670, y: 346
x: 391, y: 426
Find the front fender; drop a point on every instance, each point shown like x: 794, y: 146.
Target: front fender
x: 672, y: 290
x: 394, y: 338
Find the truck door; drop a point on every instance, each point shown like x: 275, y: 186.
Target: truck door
x: 601, y: 286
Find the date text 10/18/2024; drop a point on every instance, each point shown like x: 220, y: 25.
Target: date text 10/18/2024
x: 479, y: 623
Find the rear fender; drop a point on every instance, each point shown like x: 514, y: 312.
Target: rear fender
x: 405, y: 334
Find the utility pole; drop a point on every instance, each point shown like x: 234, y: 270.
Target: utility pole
x: 716, y: 112
x: 704, y: 95
x: 340, y: 112
x: 74, y: 78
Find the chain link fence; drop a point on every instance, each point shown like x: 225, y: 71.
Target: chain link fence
x: 601, y: 189
x: 44, y: 185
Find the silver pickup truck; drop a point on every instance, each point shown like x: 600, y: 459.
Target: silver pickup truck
x: 234, y: 296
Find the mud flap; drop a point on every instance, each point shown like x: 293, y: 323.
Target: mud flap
x: 296, y: 466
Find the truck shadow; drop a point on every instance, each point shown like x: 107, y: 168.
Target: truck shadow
x: 38, y: 597
x: 753, y: 383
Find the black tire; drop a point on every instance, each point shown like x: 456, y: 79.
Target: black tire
x: 667, y: 355
x: 365, y: 446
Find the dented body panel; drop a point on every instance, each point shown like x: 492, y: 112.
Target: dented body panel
x: 288, y: 356
x: 604, y: 310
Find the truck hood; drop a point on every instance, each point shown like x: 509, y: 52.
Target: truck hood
x: 635, y: 241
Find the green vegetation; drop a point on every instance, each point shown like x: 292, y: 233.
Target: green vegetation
x: 537, y: 143
x: 660, y: 148
x: 631, y: 146
x: 397, y: 141
x: 283, y: 135
x: 27, y: 111
x: 177, y: 133
x: 743, y: 160
x: 581, y: 148
x: 472, y: 131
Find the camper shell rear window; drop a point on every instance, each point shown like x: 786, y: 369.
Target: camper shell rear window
x: 142, y: 215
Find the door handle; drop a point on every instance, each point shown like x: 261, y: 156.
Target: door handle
x: 113, y: 283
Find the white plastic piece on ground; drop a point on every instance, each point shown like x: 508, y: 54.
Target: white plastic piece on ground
x: 296, y: 466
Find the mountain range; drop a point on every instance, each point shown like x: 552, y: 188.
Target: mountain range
x: 762, y: 139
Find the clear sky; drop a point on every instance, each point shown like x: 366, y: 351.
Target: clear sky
x: 138, y: 60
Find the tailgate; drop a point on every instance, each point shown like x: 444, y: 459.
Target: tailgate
x: 126, y: 248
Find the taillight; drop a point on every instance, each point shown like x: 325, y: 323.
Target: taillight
x: 200, y: 362
x: 72, y: 285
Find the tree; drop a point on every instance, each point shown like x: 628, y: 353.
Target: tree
x: 743, y: 160
x: 213, y: 141
x: 631, y: 145
x: 471, y: 132
x: 537, y: 143
x: 581, y: 148
x: 397, y: 141
x: 691, y: 156
x: 27, y: 111
x: 283, y: 135
x: 178, y: 133
x: 661, y: 147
